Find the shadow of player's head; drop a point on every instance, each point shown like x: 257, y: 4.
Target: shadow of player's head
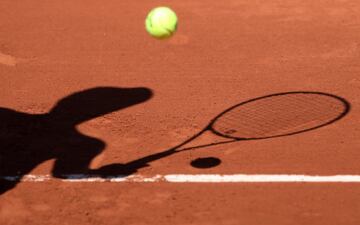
x: 92, y: 103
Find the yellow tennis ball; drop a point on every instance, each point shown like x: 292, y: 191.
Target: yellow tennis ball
x: 161, y: 22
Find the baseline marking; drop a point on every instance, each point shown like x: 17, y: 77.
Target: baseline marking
x: 195, y: 178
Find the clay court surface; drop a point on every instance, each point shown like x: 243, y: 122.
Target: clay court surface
x: 108, y: 88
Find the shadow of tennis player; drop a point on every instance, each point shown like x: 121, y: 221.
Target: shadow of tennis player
x: 26, y: 140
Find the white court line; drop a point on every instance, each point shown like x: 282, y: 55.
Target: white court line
x: 195, y: 178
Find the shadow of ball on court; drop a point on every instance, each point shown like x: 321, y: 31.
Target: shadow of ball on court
x: 205, y: 163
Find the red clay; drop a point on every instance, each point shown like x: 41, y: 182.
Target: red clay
x: 224, y: 53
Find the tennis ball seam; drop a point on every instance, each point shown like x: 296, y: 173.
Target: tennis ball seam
x: 161, y: 26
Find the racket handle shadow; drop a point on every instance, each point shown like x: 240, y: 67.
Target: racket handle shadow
x: 208, y: 145
x: 143, y: 162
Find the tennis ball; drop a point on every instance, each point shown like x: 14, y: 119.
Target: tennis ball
x: 161, y: 22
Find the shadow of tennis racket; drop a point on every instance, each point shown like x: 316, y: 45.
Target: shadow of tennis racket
x: 270, y: 116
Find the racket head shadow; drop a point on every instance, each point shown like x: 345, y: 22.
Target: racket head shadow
x: 278, y: 115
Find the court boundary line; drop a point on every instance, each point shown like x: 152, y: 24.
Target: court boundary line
x: 192, y: 178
